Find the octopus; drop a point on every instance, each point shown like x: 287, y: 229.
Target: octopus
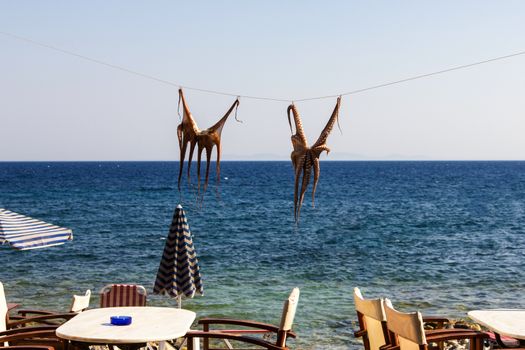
x: 305, y: 158
x: 189, y: 133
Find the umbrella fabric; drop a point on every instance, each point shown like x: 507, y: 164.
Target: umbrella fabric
x: 178, y: 273
x: 23, y: 232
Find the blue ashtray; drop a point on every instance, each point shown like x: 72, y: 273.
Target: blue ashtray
x: 120, y: 320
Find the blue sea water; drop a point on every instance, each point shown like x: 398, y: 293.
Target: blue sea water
x: 439, y: 237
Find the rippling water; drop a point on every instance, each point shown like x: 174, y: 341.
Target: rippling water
x: 440, y: 237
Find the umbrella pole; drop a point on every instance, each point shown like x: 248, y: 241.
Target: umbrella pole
x: 179, y: 301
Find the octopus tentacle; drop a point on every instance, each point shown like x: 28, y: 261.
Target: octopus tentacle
x: 218, y: 165
x: 190, y: 158
x: 299, y: 131
x: 317, y: 172
x: 296, y: 190
x: 208, y: 161
x: 217, y: 127
x: 199, y: 155
x: 187, y: 118
x: 289, y: 119
x: 182, y: 148
x: 329, y: 125
x: 307, y: 170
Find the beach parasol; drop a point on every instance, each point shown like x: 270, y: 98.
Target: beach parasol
x: 24, y: 233
x: 178, y: 273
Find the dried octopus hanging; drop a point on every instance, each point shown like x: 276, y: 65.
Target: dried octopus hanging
x: 305, y: 158
x: 189, y: 133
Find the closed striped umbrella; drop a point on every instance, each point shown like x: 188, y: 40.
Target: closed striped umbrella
x: 178, y: 273
x: 24, y: 233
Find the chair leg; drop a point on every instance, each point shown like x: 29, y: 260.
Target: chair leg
x: 206, y: 341
x: 478, y: 344
x: 228, y: 344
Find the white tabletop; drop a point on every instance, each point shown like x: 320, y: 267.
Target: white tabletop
x: 509, y: 322
x: 148, y: 324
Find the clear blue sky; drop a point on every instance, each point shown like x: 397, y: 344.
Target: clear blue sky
x: 58, y: 107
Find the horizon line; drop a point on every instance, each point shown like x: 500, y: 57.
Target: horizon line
x: 261, y: 160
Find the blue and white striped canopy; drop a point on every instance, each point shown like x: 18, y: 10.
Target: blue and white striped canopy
x: 178, y: 273
x: 23, y: 232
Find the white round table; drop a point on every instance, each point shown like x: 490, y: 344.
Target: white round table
x: 148, y: 324
x: 507, y: 322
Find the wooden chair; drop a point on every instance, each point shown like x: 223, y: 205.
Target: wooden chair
x: 79, y: 303
x: 406, y: 332
x: 372, y: 321
x: 282, y: 332
x: 115, y: 295
x: 373, y: 326
x: 17, y: 332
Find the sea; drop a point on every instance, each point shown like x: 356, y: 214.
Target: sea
x: 441, y: 237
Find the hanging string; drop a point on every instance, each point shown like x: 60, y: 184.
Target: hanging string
x: 288, y: 100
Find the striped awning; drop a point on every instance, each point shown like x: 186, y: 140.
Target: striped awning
x: 178, y: 273
x: 23, y: 233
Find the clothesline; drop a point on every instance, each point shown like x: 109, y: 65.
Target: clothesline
x: 288, y: 100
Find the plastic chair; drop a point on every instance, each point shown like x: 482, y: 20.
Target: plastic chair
x: 282, y: 332
x: 115, y: 295
x: 406, y: 332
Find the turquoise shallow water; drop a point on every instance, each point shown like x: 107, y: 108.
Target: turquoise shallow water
x: 440, y: 237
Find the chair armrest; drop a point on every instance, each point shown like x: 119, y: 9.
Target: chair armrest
x: 244, y: 323
x: 443, y: 336
x: 26, y: 330
x: 437, y: 320
x: 360, y: 333
x: 28, y: 335
x: 11, y: 306
x: 219, y: 335
x: 40, y: 319
x: 24, y: 312
x: 436, y: 332
x: 389, y: 347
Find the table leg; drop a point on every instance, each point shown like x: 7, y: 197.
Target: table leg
x: 501, y: 343
x: 196, y: 343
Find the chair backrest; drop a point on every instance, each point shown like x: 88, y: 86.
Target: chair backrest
x: 372, y: 321
x: 3, y: 309
x: 406, y: 329
x: 80, y: 302
x: 3, y: 312
x: 288, y: 315
x: 114, y: 295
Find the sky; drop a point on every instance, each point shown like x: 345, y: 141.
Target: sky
x: 56, y: 107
